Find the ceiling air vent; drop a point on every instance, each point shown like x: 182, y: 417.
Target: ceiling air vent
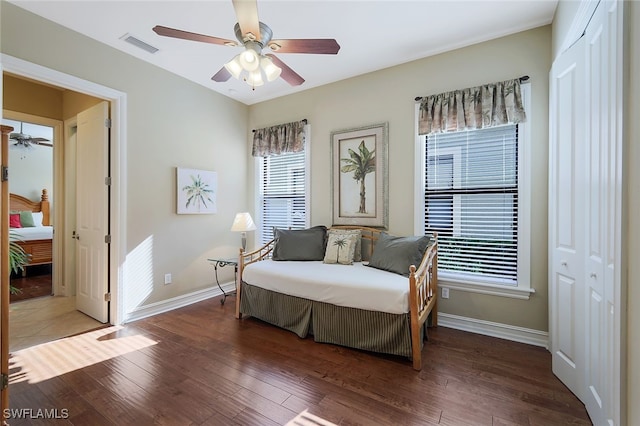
x: 139, y: 43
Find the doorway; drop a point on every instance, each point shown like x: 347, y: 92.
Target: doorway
x: 117, y: 102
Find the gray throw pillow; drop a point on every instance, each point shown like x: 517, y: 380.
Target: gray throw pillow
x: 300, y: 244
x: 396, y: 254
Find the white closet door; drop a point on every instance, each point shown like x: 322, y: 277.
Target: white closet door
x: 604, y: 140
x: 567, y: 187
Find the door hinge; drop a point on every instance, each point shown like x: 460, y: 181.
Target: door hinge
x: 5, y: 381
x: 5, y: 173
x: 107, y: 239
x: 107, y: 180
x: 107, y: 123
x: 107, y: 297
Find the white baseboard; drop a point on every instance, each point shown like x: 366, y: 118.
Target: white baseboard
x: 494, y: 329
x: 177, y: 302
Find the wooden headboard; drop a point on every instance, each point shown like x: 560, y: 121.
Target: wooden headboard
x: 18, y: 202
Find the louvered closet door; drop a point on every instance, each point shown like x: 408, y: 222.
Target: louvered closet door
x: 567, y: 187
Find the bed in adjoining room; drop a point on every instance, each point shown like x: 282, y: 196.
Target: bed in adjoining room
x: 30, y: 222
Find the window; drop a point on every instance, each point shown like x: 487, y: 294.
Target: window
x: 471, y: 200
x: 282, y: 193
x: 472, y: 193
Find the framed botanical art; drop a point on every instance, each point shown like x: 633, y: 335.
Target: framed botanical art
x: 360, y: 176
x: 197, y: 191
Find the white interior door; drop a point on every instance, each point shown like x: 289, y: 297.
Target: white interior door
x: 92, y: 211
x: 567, y: 187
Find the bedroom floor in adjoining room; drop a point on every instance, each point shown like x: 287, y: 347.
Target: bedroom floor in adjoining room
x: 36, y: 282
x: 44, y: 319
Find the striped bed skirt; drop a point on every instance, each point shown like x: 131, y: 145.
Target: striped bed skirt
x: 355, y: 328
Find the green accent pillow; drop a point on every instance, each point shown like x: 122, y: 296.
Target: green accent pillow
x: 300, y: 244
x: 397, y: 254
x: 26, y: 219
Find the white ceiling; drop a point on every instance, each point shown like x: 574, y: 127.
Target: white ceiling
x: 372, y: 34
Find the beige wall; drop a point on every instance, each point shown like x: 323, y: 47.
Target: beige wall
x: 24, y: 96
x: 565, y: 14
x: 73, y: 103
x: 388, y: 95
x: 170, y: 122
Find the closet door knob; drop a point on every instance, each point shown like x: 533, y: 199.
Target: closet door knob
x: 593, y: 275
x: 563, y: 263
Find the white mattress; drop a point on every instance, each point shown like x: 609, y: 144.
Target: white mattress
x: 32, y: 233
x: 355, y: 286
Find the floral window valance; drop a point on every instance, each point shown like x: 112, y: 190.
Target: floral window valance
x: 473, y: 108
x: 279, y: 139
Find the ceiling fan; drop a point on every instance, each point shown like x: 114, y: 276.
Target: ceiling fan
x: 252, y: 64
x: 25, y: 141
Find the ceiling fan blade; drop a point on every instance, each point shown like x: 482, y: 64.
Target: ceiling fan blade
x: 44, y: 144
x: 247, y: 14
x: 327, y: 46
x: 288, y: 75
x: 186, y: 35
x: 222, y: 75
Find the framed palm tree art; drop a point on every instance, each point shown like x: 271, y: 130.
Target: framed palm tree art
x: 360, y: 176
x: 196, y: 191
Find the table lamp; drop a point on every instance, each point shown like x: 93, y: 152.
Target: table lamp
x: 243, y: 223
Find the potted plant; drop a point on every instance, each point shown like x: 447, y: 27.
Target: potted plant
x: 17, y: 258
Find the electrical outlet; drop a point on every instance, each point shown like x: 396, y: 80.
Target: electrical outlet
x: 167, y: 279
x: 445, y: 292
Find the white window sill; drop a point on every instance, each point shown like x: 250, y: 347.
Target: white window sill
x: 485, y: 288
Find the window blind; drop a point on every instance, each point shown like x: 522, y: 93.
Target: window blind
x: 282, y: 190
x: 471, y: 200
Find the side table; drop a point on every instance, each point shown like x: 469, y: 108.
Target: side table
x: 222, y: 263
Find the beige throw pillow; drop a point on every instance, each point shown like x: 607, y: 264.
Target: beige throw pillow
x: 340, y: 249
x: 357, y: 257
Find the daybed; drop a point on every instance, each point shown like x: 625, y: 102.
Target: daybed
x: 36, y: 239
x: 378, y: 300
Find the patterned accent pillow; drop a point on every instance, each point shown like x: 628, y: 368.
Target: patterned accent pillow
x: 340, y: 249
x: 357, y: 257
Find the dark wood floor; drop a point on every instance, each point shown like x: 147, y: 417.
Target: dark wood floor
x: 200, y: 366
x: 36, y: 283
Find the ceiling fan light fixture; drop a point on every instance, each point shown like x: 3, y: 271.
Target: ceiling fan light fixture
x: 234, y: 67
x: 271, y: 71
x: 250, y: 60
x: 254, y: 79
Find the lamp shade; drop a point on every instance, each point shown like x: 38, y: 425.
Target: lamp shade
x: 234, y: 66
x: 270, y: 69
x: 254, y: 78
x: 249, y: 60
x: 243, y: 223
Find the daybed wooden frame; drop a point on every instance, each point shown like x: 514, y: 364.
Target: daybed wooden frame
x: 422, y: 281
x: 40, y: 251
